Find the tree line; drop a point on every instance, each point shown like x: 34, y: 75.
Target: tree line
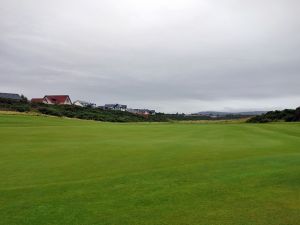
x: 89, y: 113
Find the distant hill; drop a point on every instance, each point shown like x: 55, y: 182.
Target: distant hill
x: 221, y: 114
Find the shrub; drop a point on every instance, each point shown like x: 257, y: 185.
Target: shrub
x: 49, y: 111
x: 21, y: 108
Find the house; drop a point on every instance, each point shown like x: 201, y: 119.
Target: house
x: 38, y: 100
x: 84, y: 104
x: 53, y: 100
x: 10, y: 96
x: 58, y: 100
x: 144, y: 112
x: 115, y: 107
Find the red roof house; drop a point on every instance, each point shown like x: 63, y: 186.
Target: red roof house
x: 57, y: 100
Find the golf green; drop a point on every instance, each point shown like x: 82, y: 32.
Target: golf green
x: 56, y: 171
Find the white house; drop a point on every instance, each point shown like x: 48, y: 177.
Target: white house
x: 145, y: 112
x: 84, y: 104
x: 115, y: 107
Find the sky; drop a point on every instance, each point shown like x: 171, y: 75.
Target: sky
x: 168, y: 55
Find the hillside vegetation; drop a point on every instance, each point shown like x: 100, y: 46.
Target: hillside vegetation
x: 71, y: 111
x: 56, y: 171
x: 287, y: 115
x: 97, y: 114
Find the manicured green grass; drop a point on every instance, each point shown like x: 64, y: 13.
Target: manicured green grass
x: 70, y: 172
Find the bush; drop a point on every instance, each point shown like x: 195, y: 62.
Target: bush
x: 49, y: 111
x: 21, y: 108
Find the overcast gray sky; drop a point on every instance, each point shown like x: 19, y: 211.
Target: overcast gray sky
x: 169, y: 55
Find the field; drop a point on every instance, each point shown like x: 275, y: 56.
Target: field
x: 56, y: 171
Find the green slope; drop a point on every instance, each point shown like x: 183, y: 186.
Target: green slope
x: 61, y: 171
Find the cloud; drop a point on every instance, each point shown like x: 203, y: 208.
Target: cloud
x: 174, y: 56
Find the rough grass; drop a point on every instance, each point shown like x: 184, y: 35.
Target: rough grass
x: 70, y: 172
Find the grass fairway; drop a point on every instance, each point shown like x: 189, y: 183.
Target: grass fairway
x: 71, y: 172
